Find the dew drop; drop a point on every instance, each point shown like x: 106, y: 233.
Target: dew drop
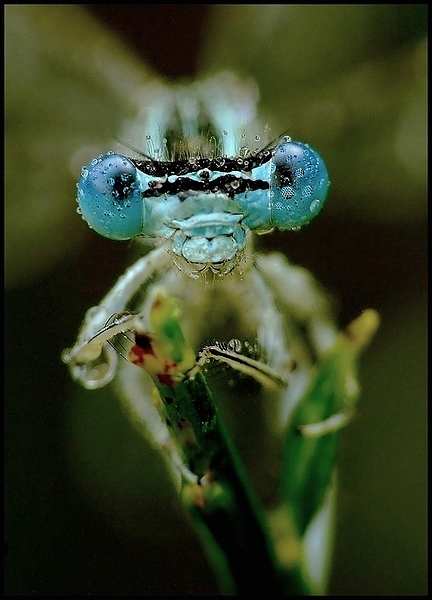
x: 315, y: 206
x: 287, y: 138
x: 257, y: 138
x: 234, y: 345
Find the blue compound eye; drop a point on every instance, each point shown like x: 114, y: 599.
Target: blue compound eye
x: 109, y: 197
x: 299, y: 184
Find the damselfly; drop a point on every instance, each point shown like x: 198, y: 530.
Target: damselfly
x: 201, y: 189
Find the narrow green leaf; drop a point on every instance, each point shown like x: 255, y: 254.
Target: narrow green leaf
x: 310, y: 447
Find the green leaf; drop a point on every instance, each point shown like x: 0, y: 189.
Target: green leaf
x: 310, y: 447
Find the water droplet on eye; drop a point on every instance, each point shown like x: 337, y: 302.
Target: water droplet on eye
x: 224, y: 132
x: 315, y: 206
x: 286, y: 138
x: 79, y: 211
x: 234, y: 345
x: 148, y: 137
x: 296, y: 228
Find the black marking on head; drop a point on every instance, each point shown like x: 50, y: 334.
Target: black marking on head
x: 226, y: 184
x: 223, y: 164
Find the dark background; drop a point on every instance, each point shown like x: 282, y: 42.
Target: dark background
x: 73, y: 525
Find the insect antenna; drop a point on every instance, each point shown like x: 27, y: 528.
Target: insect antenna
x: 271, y: 145
x: 134, y: 149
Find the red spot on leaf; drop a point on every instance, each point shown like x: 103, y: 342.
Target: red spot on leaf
x: 145, y: 343
x: 165, y: 379
x: 137, y: 355
x: 157, y: 303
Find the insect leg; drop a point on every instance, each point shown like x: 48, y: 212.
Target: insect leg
x: 330, y: 425
x: 261, y: 372
x: 92, y: 361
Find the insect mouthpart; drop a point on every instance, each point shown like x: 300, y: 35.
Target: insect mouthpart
x: 209, y: 242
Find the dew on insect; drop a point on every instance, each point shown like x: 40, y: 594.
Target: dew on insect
x: 315, y: 206
x: 234, y: 345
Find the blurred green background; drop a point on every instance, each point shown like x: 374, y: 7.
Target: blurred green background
x: 89, y: 510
